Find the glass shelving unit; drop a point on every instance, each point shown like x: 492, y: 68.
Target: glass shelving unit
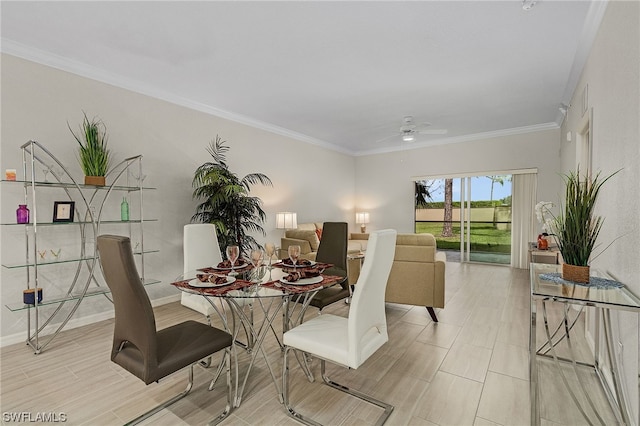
x: 83, y: 277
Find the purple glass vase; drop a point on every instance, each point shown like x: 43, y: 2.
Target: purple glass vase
x: 22, y: 214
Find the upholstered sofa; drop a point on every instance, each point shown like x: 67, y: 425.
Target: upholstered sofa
x: 417, y: 273
x: 307, y: 236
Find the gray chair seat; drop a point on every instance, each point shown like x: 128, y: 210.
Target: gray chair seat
x: 177, y: 346
x: 138, y: 346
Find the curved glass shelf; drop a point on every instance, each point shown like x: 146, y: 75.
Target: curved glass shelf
x: 56, y: 262
x: 102, y: 222
x: 95, y: 291
x: 81, y: 186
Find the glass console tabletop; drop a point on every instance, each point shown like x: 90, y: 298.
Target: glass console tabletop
x: 613, y: 298
x: 546, y: 288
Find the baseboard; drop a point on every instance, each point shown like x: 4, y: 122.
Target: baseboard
x: 79, y: 322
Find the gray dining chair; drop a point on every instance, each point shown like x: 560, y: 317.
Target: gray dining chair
x: 140, y: 348
x: 348, y: 341
x: 333, y: 249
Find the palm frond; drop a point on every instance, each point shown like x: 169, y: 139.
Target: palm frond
x: 225, y: 200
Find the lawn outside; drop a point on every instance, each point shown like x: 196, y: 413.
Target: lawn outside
x: 484, y: 237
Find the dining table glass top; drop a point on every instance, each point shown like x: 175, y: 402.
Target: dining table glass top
x: 252, y: 282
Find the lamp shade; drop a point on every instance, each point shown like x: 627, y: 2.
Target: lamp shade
x: 362, y: 217
x: 286, y: 220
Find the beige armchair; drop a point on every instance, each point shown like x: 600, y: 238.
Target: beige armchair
x: 417, y: 274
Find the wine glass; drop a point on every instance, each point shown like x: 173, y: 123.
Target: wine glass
x: 46, y: 171
x: 294, y: 254
x: 232, y: 254
x: 270, y: 249
x: 257, y: 257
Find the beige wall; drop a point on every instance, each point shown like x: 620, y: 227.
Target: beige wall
x: 612, y: 75
x: 385, y: 188
x: 38, y: 101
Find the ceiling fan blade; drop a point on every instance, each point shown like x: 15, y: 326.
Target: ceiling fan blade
x: 388, y: 137
x: 433, y: 132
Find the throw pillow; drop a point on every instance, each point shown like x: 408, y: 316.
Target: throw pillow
x: 319, y: 233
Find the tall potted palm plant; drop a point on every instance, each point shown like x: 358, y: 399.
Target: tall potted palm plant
x: 225, y: 200
x: 94, y: 156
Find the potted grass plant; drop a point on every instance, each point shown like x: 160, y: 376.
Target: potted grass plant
x: 576, y: 228
x: 93, y: 154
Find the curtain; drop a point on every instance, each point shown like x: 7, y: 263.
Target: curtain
x: 523, y: 201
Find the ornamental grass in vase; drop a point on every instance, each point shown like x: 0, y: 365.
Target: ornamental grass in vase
x: 93, y: 154
x: 576, y: 228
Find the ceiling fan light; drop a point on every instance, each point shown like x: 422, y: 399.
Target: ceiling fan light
x: 408, y: 137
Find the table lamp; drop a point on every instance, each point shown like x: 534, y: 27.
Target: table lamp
x: 362, y: 218
x: 286, y: 220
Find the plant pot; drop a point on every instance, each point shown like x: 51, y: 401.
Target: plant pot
x: 94, y: 180
x: 578, y: 274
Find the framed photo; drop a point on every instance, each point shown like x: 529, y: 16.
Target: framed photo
x: 63, y: 211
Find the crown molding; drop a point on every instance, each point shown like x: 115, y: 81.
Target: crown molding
x: 465, y: 138
x: 592, y: 22
x: 79, y: 68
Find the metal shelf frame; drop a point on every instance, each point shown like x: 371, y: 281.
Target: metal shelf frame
x: 92, y: 200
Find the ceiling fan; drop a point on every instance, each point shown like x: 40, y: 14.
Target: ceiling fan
x: 409, y: 130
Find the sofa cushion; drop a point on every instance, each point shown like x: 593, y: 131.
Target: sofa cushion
x: 311, y: 226
x: 416, y: 240
x: 308, y: 235
x: 415, y: 248
x: 306, y: 227
x: 414, y: 253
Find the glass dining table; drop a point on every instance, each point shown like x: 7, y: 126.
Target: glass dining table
x: 266, y: 288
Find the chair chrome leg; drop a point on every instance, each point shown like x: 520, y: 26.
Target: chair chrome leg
x: 228, y: 409
x: 207, y: 363
x: 388, y: 409
x: 218, y: 373
x: 285, y: 393
x: 166, y: 403
x: 226, y: 361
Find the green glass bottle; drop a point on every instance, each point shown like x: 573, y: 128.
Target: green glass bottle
x: 124, y: 210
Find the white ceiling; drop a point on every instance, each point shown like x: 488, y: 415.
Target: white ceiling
x: 341, y: 74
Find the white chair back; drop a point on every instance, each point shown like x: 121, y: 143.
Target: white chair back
x: 367, y: 324
x: 201, y: 247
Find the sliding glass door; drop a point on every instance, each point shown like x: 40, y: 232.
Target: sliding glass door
x: 470, y: 216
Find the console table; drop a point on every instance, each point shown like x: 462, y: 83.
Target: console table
x: 573, y: 294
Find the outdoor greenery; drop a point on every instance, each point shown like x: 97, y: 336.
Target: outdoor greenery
x: 474, y: 204
x: 576, y: 228
x: 94, y: 157
x: 484, y: 237
x: 226, y: 201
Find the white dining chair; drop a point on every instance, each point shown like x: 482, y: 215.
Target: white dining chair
x: 200, y: 250
x: 348, y: 341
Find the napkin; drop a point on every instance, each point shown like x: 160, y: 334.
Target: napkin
x: 300, y: 262
x: 305, y: 273
x: 215, y: 279
x: 293, y: 277
x: 227, y: 263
